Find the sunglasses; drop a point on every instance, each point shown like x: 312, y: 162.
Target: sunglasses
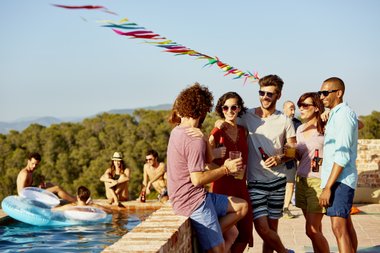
x: 304, y: 105
x: 232, y: 107
x: 326, y: 92
x: 266, y: 93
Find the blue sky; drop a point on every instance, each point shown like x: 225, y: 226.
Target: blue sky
x: 61, y: 63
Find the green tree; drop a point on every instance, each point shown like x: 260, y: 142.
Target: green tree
x: 371, y: 129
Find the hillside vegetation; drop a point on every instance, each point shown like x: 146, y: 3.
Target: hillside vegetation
x: 75, y: 154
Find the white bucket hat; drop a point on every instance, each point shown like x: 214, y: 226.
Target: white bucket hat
x: 117, y: 156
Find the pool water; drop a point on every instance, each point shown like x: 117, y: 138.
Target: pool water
x: 17, y: 236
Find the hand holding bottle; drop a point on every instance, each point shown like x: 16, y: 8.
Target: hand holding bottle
x: 316, y: 162
x: 220, y: 150
x: 269, y: 161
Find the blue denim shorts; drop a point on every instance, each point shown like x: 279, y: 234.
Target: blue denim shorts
x: 205, y: 220
x: 341, y: 200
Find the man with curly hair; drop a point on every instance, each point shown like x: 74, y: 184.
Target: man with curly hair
x: 211, y: 214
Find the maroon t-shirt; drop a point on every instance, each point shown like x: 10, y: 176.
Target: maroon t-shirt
x: 185, y: 154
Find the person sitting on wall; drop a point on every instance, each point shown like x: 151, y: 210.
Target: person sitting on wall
x: 25, y: 179
x: 116, y: 180
x: 154, y: 175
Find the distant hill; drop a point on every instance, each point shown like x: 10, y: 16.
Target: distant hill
x: 130, y: 111
x: 20, y: 125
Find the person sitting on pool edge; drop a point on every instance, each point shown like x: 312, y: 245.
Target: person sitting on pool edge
x: 154, y: 175
x: 116, y: 179
x: 25, y: 179
x: 83, y: 199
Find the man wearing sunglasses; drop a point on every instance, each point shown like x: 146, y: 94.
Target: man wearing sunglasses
x: 339, y: 173
x: 154, y: 174
x: 269, y: 130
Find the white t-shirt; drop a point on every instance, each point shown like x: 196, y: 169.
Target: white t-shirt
x: 270, y: 133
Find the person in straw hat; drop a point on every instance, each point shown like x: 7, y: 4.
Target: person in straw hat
x: 116, y: 180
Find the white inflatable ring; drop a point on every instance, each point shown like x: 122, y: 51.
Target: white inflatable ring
x: 39, y: 214
x: 84, y: 213
x: 40, y: 195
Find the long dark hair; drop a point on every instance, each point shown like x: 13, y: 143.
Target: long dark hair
x: 122, y: 167
x: 317, y: 103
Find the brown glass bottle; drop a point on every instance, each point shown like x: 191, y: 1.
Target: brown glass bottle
x: 143, y: 196
x: 315, y: 161
x: 221, y: 142
x: 264, y: 155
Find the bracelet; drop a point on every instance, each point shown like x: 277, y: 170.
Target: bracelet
x: 226, y: 170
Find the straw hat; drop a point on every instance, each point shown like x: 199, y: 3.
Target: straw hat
x: 117, y: 156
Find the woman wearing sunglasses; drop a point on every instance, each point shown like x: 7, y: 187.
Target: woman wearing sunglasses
x: 310, y: 137
x: 232, y: 137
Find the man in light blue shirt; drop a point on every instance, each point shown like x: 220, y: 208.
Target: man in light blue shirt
x: 339, y: 174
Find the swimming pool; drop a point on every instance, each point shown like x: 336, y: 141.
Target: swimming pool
x: 17, y: 236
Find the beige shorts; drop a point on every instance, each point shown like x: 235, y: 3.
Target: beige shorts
x: 308, y: 191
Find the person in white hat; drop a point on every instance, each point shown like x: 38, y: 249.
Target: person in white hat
x: 116, y: 180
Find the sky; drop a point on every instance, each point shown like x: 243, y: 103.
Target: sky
x: 62, y: 63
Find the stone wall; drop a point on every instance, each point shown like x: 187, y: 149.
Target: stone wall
x: 368, y: 164
x: 163, y: 231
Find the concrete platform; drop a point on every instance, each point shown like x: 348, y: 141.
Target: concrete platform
x: 292, y: 231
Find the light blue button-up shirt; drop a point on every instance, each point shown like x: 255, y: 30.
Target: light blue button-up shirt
x: 340, y: 146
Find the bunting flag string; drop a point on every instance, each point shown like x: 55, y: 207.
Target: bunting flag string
x: 87, y: 7
x: 132, y: 30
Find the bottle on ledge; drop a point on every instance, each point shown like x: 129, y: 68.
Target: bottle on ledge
x: 315, y: 161
x: 264, y: 155
x: 143, y: 195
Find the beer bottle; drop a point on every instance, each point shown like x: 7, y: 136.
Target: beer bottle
x: 315, y: 161
x: 264, y: 155
x: 221, y: 142
x: 143, y: 196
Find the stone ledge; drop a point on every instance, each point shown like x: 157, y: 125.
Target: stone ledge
x: 162, y: 231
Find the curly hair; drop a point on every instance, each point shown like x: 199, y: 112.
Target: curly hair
x: 317, y: 102
x: 271, y: 80
x: 227, y: 96
x: 34, y: 155
x: 193, y: 102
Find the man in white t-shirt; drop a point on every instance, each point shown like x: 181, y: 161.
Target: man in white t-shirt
x: 269, y: 130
